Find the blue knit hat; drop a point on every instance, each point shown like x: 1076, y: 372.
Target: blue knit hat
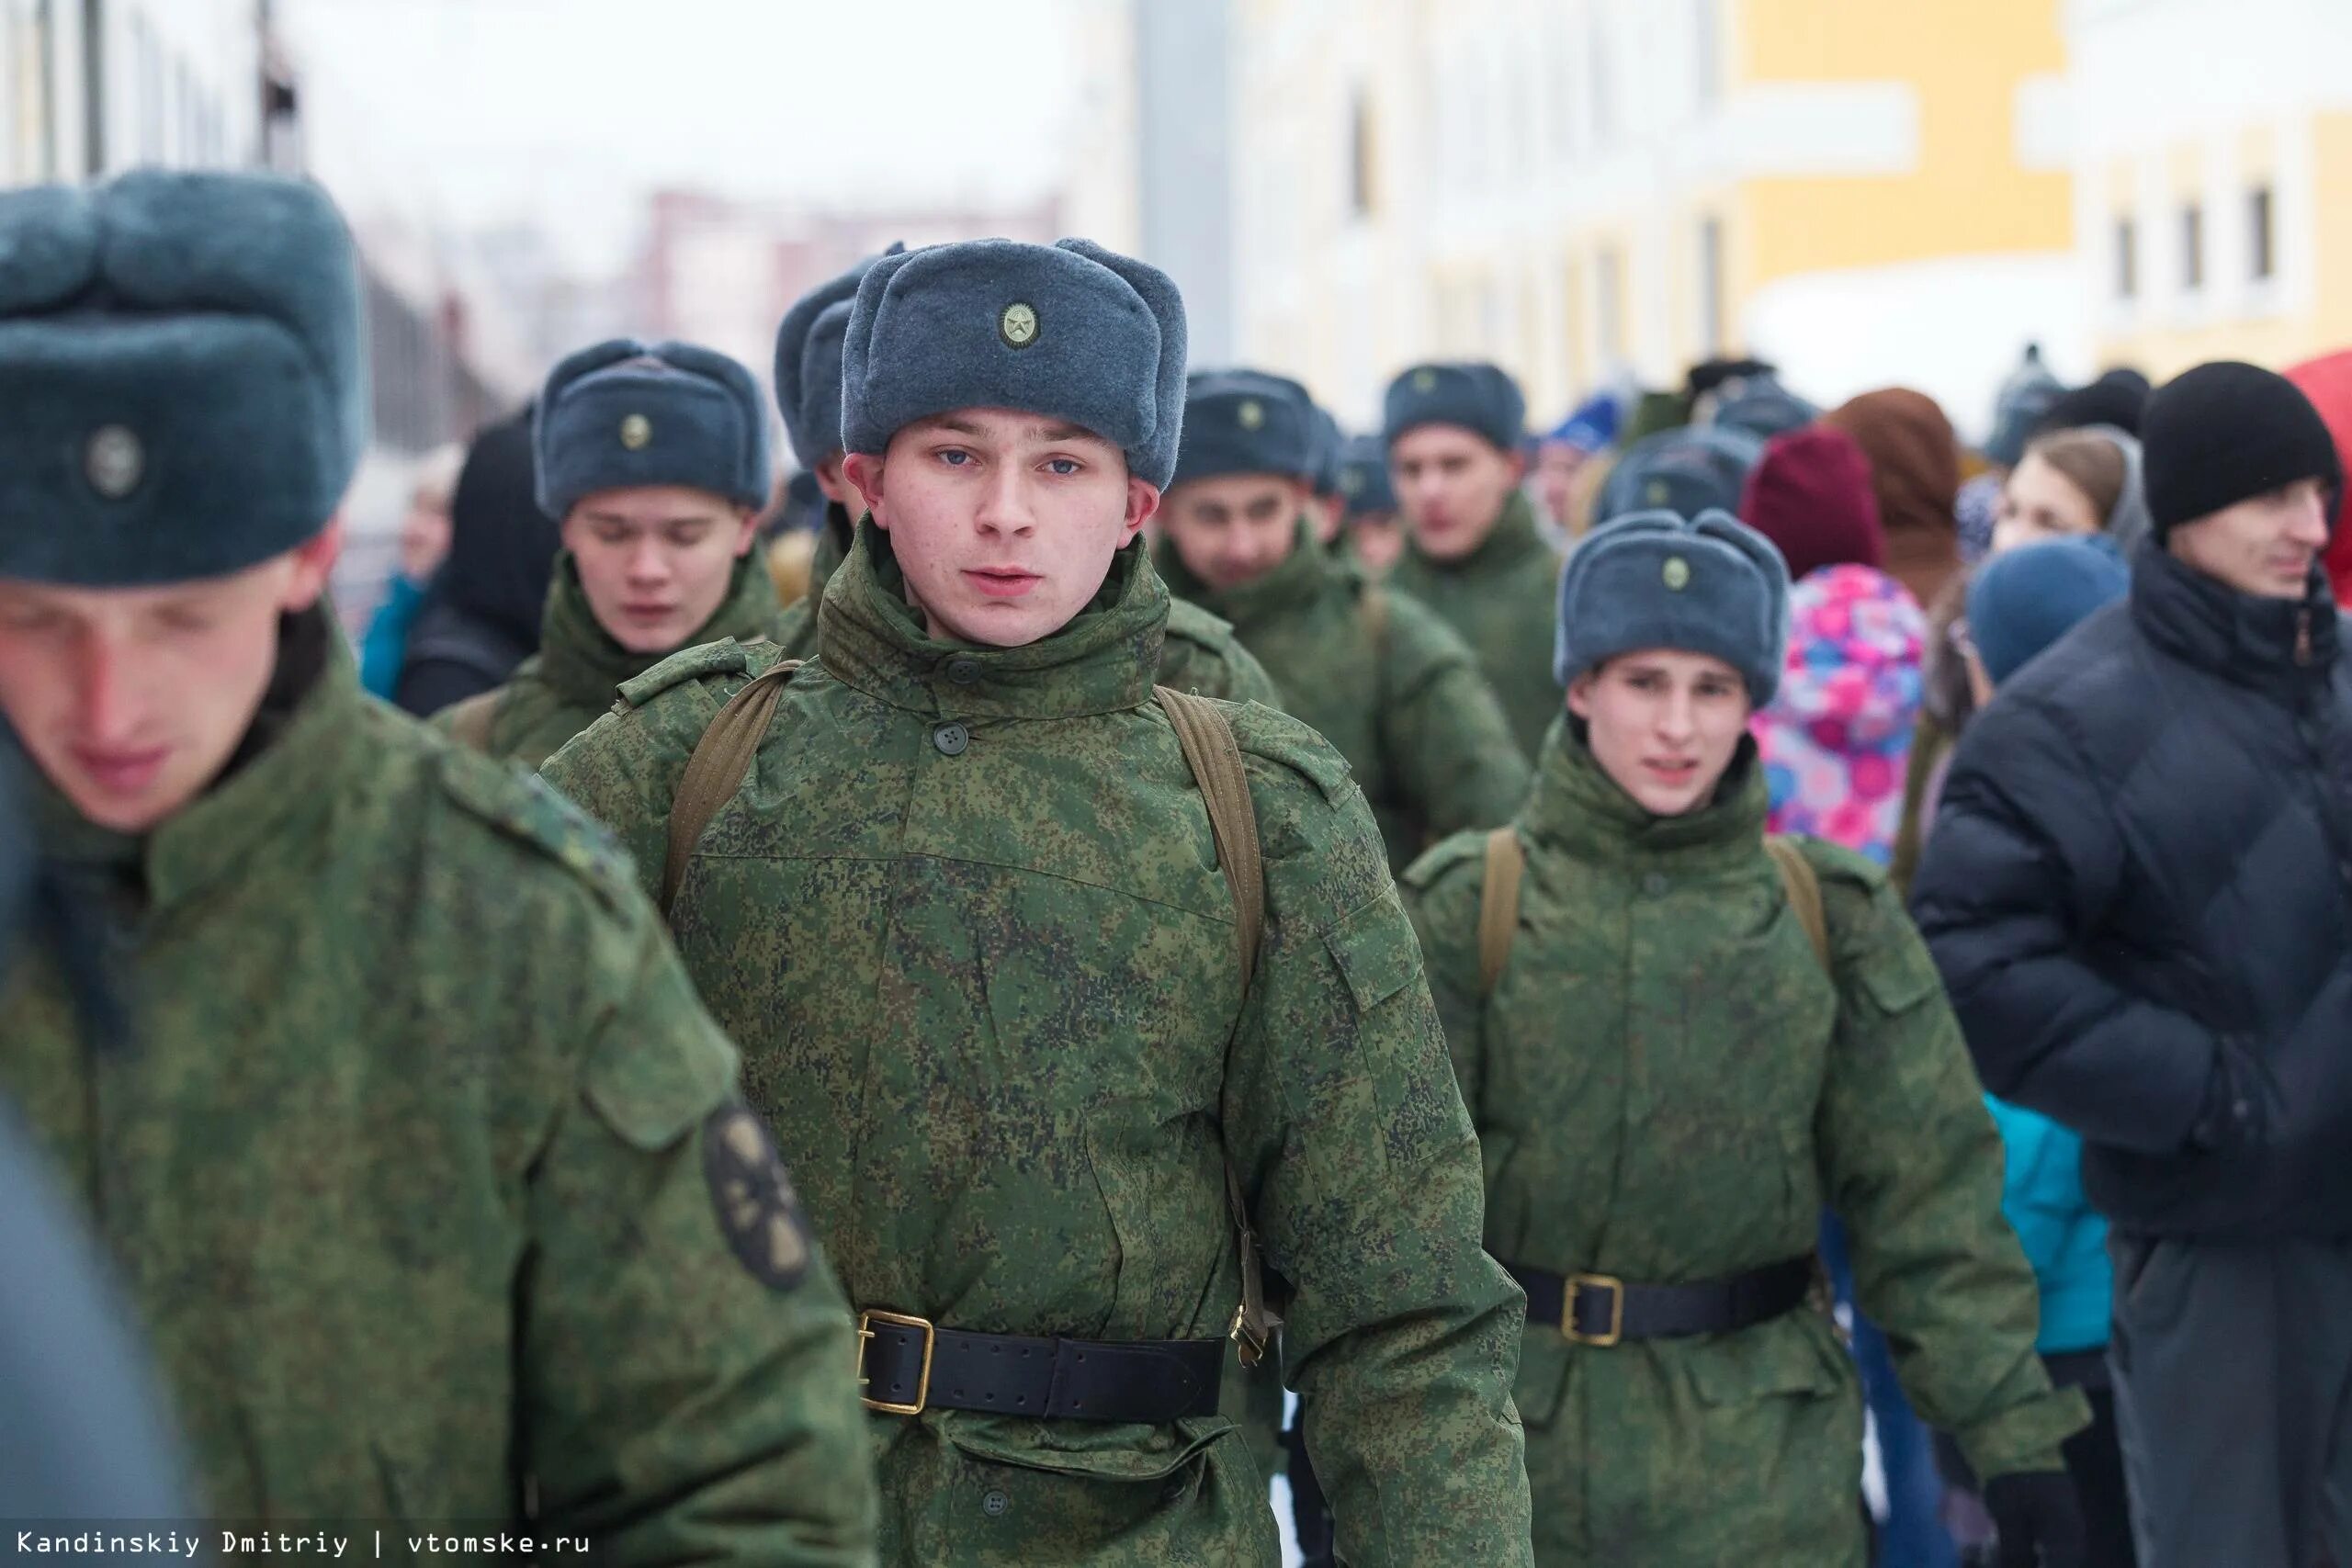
x: 2024, y: 600
x: 1479, y: 397
x: 809, y: 363
x: 1363, y: 476
x: 626, y: 413
x: 1656, y: 580
x: 1246, y: 421
x: 1591, y: 427
x: 1070, y: 331
x: 181, y: 368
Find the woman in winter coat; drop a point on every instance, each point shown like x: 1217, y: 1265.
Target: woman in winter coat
x: 2073, y: 482
x: 1670, y: 1078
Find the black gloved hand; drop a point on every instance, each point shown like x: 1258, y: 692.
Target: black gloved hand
x: 2039, y: 1521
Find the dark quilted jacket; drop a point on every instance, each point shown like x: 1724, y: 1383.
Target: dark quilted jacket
x: 2140, y: 894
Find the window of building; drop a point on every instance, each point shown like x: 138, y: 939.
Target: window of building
x: 2262, y: 235
x: 1364, y: 190
x: 1711, y: 286
x: 1706, y: 23
x: 2192, y: 246
x: 1609, y: 307
x: 2126, y: 259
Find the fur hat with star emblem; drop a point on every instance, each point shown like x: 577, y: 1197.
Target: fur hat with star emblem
x: 1069, y: 331
x: 1710, y: 585
x: 181, y: 366
x: 1247, y: 422
x: 626, y: 414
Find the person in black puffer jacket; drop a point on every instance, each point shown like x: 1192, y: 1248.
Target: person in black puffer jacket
x: 480, y: 618
x: 2139, y: 891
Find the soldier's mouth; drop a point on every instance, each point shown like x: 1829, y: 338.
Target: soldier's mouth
x: 121, y: 773
x: 1002, y: 582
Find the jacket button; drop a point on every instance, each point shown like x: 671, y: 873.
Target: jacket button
x: 964, y: 669
x: 951, y: 739
x: 1654, y: 884
x: 995, y: 1504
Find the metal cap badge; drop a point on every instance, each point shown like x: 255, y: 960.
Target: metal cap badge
x: 1677, y: 573
x: 114, y: 461
x: 637, y: 432
x: 1018, y: 325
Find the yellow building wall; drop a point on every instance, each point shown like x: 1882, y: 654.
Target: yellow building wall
x: 1964, y: 60
x: 2322, y: 326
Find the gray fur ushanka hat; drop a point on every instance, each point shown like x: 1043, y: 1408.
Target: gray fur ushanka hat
x: 1649, y: 579
x: 182, y: 372
x: 1246, y: 421
x: 1070, y: 331
x: 809, y: 363
x: 625, y: 414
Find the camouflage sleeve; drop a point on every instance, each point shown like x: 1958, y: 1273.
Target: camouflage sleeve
x: 1442, y: 891
x: 1443, y: 729
x: 1911, y: 1161
x: 687, y: 1355
x: 624, y: 769
x: 1364, y: 1178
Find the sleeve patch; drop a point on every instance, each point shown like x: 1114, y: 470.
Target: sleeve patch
x: 758, y: 1213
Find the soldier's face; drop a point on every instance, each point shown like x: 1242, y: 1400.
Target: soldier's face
x: 1378, y: 539
x: 1451, y: 484
x: 1664, y: 724
x: 1003, y: 522
x: 1234, y: 528
x: 130, y: 700
x: 654, y: 561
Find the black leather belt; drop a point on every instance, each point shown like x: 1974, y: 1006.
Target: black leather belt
x: 907, y: 1365
x: 1601, y: 1309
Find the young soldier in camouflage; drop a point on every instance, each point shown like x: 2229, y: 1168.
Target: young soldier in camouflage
x: 1368, y: 669
x: 1678, y: 1043
x: 967, y: 914
x: 1472, y: 553
x: 1199, y: 652
x: 654, y: 458
x: 422, y: 1165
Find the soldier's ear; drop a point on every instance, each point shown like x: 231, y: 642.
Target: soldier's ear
x: 1143, y: 501
x: 313, y: 561
x: 863, y: 471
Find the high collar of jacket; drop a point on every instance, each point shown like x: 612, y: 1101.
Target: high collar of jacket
x: 1293, y: 581
x: 302, y: 742
x: 2283, y: 647
x: 1513, y: 539
x: 1576, y: 807
x: 580, y: 660
x: 1102, y: 662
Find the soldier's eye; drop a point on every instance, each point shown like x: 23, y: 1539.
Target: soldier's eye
x: 954, y: 457
x: 1063, y: 466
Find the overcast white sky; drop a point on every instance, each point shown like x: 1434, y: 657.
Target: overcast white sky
x: 567, y: 110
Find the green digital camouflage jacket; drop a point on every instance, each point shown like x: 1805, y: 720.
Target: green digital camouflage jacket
x: 1383, y: 680
x: 1504, y: 598
x: 1199, y: 653
x: 560, y: 689
x: 425, y: 1168
x: 966, y: 921
x: 1669, y: 1088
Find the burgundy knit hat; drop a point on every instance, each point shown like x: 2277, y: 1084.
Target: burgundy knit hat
x: 1811, y: 495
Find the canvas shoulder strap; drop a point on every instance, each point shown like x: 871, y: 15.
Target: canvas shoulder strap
x: 1803, y: 889
x: 1215, y: 758
x: 1507, y: 861
x: 1499, y: 905
x: 722, y: 757
x: 1373, y: 608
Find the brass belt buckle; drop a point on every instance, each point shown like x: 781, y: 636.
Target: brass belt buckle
x: 1577, y: 1284
x: 866, y: 1320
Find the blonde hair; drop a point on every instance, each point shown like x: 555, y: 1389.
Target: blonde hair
x: 791, y: 560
